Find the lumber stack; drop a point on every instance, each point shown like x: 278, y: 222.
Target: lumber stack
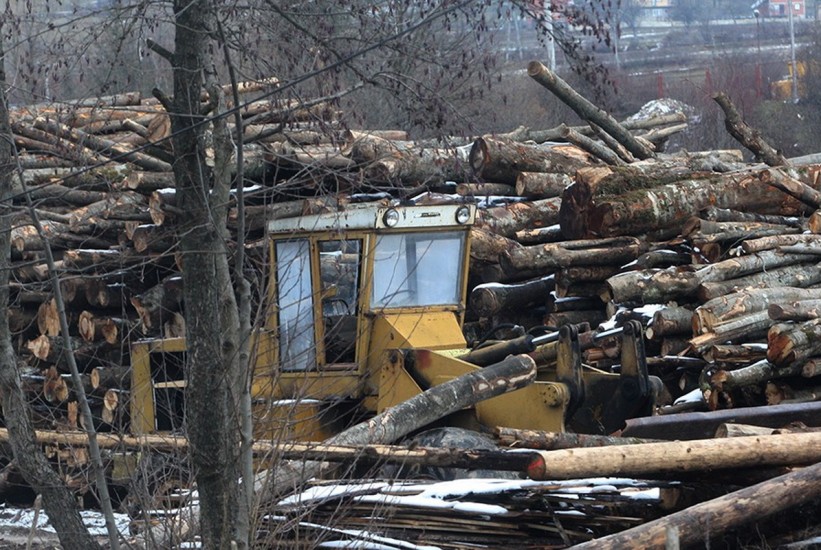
x: 591, y: 225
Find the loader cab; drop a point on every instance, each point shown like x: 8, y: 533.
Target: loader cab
x: 334, y: 276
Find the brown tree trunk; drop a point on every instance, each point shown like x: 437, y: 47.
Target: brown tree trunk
x: 212, y: 342
x: 668, y: 206
x: 701, y: 522
x: 672, y: 457
x: 800, y: 275
x: 744, y: 302
x: 554, y: 256
x: 801, y: 191
x: 669, y: 321
x: 587, y: 110
x: 788, y: 343
x: 542, y: 185
x: 57, y: 499
x: 490, y: 299
x: 158, y: 303
x: 660, y: 286
x: 803, y: 310
x: 748, y: 137
x: 501, y: 161
x: 507, y: 220
x: 548, y: 441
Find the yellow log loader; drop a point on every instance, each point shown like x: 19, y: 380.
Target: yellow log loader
x: 365, y: 310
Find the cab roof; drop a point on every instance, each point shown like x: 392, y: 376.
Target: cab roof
x: 363, y: 217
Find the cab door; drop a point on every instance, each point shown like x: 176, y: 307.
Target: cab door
x: 295, y: 301
x: 318, y: 295
x: 340, y: 275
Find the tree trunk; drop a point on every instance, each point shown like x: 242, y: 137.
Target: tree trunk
x: 549, y: 441
x: 726, y: 215
x: 57, y: 499
x: 788, y: 343
x: 598, y: 150
x: 667, y: 284
x: 801, y: 191
x: 209, y: 297
x: 725, y: 307
x: 803, y: 310
x: 554, y: 256
x: 542, y: 185
x: 699, y: 523
x: 669, y: 206
x: 800, y: 275
x: 672, y: 320
x: 676, y: 457
x: 768, y: 243
x: 744, y: 327
x: 501, y: 161
x: 587, y: 110
x: 489, y: 299
x: 748, y: 137
x: 507, y: 220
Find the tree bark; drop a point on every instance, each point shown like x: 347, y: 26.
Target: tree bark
x: 57, y: 499
x: 799, y: 275
x: 744, y: 326
x: 672, y: 320
x: 507, y: 220
x: 768, y: 243
x: 660, y: 286
x: 542, y: 185
x: 549, y: 441
x: 489, y: 299
x: 801, y: 191
x: 671, y: 205
x: 725, y: 307
x: 587, y: 110
x: 748, y: 137
x: 802, y: 310
x: 676, y: 457
x: 591, y: 252
x: 788, y: 343
x: 501, y: 161
x: 209, y: 297
x: 701, y: 522
x: 600, y: 151
x: 726, y: 215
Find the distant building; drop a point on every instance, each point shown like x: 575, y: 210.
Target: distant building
x: 778, y: 8
x: 654, y: 9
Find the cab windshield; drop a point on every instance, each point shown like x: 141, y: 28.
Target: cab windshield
x: 418, y: 269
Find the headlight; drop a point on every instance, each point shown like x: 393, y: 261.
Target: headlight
x: 391, y: 218
x: 462, y: 215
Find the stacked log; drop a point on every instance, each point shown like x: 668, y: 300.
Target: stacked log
x: 589, y: 226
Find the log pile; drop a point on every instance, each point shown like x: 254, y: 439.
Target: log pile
x: 591, y: 225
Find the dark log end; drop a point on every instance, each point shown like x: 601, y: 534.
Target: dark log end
x: 478, y: 155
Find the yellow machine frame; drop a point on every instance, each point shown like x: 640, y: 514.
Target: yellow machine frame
x: 399, y: 351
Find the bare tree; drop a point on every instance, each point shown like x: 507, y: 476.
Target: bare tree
x: 57, y: 499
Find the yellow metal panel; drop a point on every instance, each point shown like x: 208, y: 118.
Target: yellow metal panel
x: 395, y: 384
x: 290, y: 420
x: 540, y: 406
x: 142, y: 391
x: 314, y: 384
x: 419, y: 329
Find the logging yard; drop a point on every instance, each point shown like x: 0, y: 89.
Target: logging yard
x: 652, y: 317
